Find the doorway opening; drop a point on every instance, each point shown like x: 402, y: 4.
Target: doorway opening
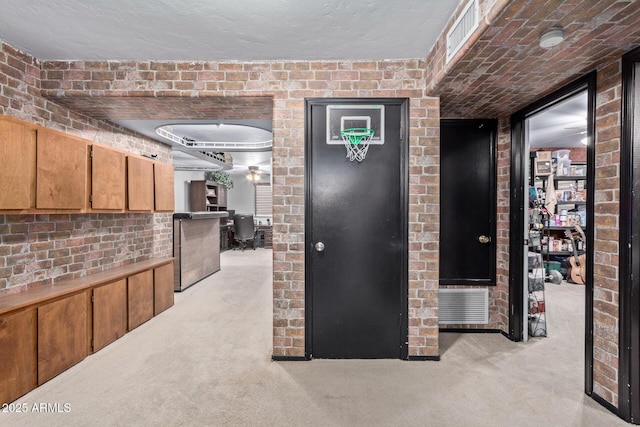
x: 552, y: 183
x: 556, y: 142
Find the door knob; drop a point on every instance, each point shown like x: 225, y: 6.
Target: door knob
x: 319, y: 246
x: 484, y: 239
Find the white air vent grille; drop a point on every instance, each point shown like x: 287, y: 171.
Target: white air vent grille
x: 464, y: 306
x: 462, y: 29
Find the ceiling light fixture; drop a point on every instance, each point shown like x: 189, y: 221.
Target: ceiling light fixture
x: 552, y: 37
x: 254, y: 174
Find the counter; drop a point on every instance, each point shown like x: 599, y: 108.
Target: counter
x: 196, y: 246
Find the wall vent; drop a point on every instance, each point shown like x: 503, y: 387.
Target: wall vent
x: 464, y: 306
x: 462, y: 29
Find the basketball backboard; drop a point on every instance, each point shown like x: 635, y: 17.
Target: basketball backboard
x: 346, y: 116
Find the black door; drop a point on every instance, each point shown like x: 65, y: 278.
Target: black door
x: 467, y: 202
x: 356, y: 286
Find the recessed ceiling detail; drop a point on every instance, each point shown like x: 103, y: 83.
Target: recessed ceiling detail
x: 217, y: 136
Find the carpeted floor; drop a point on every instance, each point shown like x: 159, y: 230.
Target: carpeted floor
x: 207, y: 362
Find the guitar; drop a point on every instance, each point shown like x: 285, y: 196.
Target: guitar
x: 577, y: 264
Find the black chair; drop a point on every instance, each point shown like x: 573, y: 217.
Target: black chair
x: 245, y: 230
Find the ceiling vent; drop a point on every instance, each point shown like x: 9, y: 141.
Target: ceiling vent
x: 462, y: 29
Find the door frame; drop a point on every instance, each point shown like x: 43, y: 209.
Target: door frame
x: 492, y: 124
x: 403, y: 103
x: 517, y: 213
x: 629, y: 288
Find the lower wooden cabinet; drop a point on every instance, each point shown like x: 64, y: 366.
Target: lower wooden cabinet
x: 162, y: 288
x: 18, y: 354
x: 140, y: 298
x: 44, y: 332
x: 109, y: 313
x: 62, y: 335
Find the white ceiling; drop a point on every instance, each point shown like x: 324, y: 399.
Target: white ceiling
x: 211, y: 131
x: 244, y: 30
x: 562, y: 125
x: 210, y: 30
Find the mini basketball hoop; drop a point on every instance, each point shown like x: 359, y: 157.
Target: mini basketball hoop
x: 357, y: 140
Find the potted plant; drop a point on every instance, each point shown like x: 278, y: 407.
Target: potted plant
x: 221, y: 177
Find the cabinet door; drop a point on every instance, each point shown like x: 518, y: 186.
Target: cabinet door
x: 140, y: 184
x: 107, y: 178
x: 18, y: 353
x: 197, y: 196
x: 61, y: 172
x: 62, y: 335
x: 163, y: 180
x: 18, y: 160
x: 140, y: 298
x: 109, y: 313
x: 222, y: 197
x: 163, y: 288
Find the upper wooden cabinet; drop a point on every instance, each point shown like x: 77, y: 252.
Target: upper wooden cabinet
x: 139, y: 184
x: 108, y: 178
x: 61, y: 171
x: 163, y: 186
x: 18, y: 170
x: 48, y: 171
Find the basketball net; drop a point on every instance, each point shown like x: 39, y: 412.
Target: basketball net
x: 357, y: 140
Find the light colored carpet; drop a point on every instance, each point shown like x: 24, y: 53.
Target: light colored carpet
x: 207, y: 362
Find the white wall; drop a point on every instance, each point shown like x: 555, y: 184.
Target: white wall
x: 240, y: 197
x: 181, y: 188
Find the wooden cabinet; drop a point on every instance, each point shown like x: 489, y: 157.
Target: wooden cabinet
x: 62, y: 335
x: 61, y: 171
x: 18, y: 341
x: 163, y: 187
x: 108, y: 178
x: 139, y: 184
x: 222, y: 197
x: 109, y: 313
x: 18, y: 170
x: 162, y: 288
x: 140, y: 298
x: 47, y: 329
x: 207, y: 196
x: 48, y: 171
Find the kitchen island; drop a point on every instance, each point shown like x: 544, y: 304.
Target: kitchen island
x: 196, y: 246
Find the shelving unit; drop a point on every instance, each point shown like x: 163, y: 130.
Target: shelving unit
x: 548, y: 243
x: 536, y: 300
x: 207, y: 196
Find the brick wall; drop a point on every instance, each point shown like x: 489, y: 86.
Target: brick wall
x: 41, y: 249
x: 606, y: 237
x: 288, y: 84
x: 500, y: 293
